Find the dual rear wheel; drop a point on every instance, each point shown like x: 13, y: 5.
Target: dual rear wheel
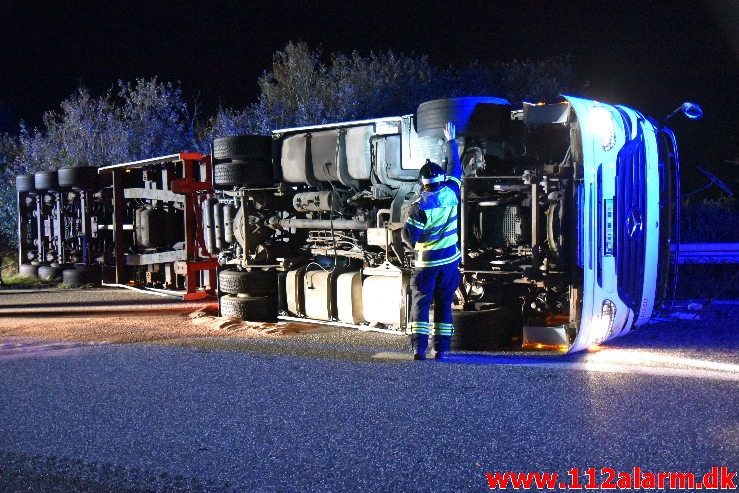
x: 250, y: 295
x: 243, y: 161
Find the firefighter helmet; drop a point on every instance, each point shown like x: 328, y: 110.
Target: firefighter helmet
x: 431, y: 173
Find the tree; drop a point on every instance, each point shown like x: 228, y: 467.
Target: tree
x: 301, y: 89
x: 86, y: 131
x: 134, y: 120
x: 141, y: 119
x: 8, y: 218
x: 154, y: 119
x: 225, y: 122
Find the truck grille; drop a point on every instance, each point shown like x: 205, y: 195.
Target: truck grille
x: 629, y: 211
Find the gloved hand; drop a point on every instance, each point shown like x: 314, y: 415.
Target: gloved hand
x: 450, y: 131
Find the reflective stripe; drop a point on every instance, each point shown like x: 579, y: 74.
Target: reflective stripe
x: 438, y: 252
x: 442, y: 224
x: 436, y: 237
x: 439, y: 244
x: 415, y: 223
x: 433, y: 179
x: 420, y: 327
x: 443, y: 329
x: 443, y: 325
x: 420, y: 263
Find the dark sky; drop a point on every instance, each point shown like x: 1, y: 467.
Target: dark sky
x: 648, y: 54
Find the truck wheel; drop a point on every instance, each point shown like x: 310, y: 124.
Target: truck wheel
x: 25, y: 183
x: 45, y: 180
x: 242, y: 174
x: 79, y: 177
x: 49, y: 273
x: 472, y: 116
x: 73, y: 277
x: 254, y: 309
x: 252, y: 283
x: 28, y: 270
x: 243, y: 147
x: 484, y: 330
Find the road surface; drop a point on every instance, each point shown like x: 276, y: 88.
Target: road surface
x: 342, y: 410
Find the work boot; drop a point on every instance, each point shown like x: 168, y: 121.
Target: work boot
x: 420, y: 343
x: 442, y: 344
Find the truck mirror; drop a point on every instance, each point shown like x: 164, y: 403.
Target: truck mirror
x: 691, y: 110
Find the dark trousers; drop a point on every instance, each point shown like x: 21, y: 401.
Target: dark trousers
x: 433, y: 285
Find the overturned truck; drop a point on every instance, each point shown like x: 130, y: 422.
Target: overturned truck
x: 565, y: 220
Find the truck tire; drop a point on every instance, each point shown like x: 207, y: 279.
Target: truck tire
x: 253, y: 309
x: 73, y: 277
x: 252, y: 283
x: 242, y: 174
x: 243, y: 147
x: 472, y: 116
x: 25, y: 183
x: 78, y: 177
x: 49, y: 273
x: 45, y: 180
x: 484, y: 330
x: 28, y: 270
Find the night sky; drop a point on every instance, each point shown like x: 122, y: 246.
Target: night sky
x: 650, y: 54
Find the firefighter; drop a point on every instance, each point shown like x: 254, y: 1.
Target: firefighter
x: 431, y: 230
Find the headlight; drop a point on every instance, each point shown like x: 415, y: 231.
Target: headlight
x: 602, y: 326
x: 603, y: 126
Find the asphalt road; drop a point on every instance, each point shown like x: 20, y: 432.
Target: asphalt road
x: 341, y: 410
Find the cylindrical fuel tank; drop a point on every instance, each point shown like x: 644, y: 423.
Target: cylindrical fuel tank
x: 317, y: 294
x: 228, y: 223
x: 349, y: 298
x: 218, y: 225
x: 209, y: 233
x: 312, y: 201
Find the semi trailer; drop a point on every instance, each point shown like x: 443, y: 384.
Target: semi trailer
x: 130, y: 224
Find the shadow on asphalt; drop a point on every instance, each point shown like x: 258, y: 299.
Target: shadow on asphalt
x: 512, y: 359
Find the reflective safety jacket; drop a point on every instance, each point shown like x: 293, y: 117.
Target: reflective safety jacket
x: 431, y: 227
